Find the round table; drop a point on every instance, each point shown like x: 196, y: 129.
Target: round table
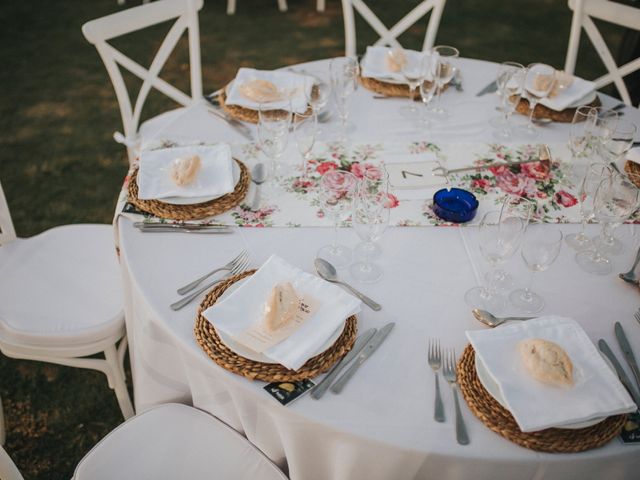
x: 381, y: 426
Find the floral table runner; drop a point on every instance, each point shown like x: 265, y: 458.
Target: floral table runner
x: 296, y: 203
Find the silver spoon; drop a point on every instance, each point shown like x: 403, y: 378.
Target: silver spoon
x: 329, y: 273
x: 258, y: 176
x: 491, y: 320
x: 630, y: 276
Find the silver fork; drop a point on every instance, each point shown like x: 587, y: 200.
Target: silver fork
x: 637, y: 315
x: 238, y: 268
x: 449, y: 373
x: 434, y: 357
x: 187, y: 288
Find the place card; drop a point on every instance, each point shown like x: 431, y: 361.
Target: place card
x: 631, y: 430
x: 287, y: 392
x: 414, y: 175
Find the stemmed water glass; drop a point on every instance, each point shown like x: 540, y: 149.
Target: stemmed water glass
x: 581, y: 136
x: 510, y: 83
x: 319, y: 94
x: 590, y: 182
x: 336, y: 191
x: 499, y: 239
x: 540, y: 248
x: 615, y: 200
x: 344, y: 81
x: 305, y: 129
x: 620, y: 140
x: 273, y: 134
x: 604, y: 126
x: 427, y: 86
x: 370, y: 217
x: 444, y: 70
x: 413, y: 73
x: 538, y: 83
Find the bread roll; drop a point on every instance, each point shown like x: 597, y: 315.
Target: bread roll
x: 185, y: 170
x: 546, y: 361
x: 261, y: 91
x: 395, y: 60
x: 281, y: 307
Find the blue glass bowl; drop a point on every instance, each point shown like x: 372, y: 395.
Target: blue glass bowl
x: 455, y: 205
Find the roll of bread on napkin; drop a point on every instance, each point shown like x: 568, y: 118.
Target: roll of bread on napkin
x: 281, y: 307
x: 185, y: 170
x: 546, y: 361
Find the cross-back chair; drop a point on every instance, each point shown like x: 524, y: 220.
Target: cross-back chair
x: 100, y: 31
x: 389, y: 36
x: 61, y: 300
x: 616, y: 13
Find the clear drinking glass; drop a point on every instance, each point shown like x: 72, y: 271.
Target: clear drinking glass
x: 540, y: 248
x: 273, y: 135
x: 444, y: 70
x: 319, y: 94
x: 510, y: 83
x: 344, y: 81
x: 538, y: 84
x: 412, y: 71
x: 336, y: 191
x: 427, y: 86
x: 615, y: 200
x: 581, y: 140
x: 588, y: 186
x: 505, y: 69
x: 370, y: 217
x: 305, y: 129
x: 620, y: 140
x: 499, y: 239
x: 604, y: 126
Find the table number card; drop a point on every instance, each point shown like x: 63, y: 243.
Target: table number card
x: 287, y: 392
x: 414, y: 175
x: 631, y: 430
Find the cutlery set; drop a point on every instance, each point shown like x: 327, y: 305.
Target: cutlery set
x: 148, y: 227
x: 629, y: 357
x: 437, y: 358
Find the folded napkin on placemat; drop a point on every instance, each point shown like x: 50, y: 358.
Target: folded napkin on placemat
x: 535, y: 405
x: 376, y: 63
x: 579, y: 90
x: 214, y: 176
x: 274, y: 88
x: 235, y: 314
x: 634, y: 155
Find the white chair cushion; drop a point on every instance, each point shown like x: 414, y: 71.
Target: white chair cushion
x: 175, y: 441
x: 61, y: 287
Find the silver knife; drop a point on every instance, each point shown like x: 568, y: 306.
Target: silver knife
x: 206, y: 231
x: 628, y: 353
x: 180, y: 226
x: 604, y: 348
x: 367, y: 351
x: 492, y: 87
x: 361, y: 342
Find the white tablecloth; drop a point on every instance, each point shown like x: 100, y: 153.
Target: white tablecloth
x: 381, y: 426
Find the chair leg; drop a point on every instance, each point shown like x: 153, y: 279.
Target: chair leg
x: 320, y: 5
x: 282, y: 5
x: 119, y: 385
x: 231, y: 7
x: 3, y: 434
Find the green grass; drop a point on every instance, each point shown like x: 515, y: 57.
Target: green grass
x: 59, y: 164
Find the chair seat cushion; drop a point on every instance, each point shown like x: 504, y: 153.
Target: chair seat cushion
x: 61, y: 287
x: 175, y: 441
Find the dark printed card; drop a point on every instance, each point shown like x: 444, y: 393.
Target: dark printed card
x: 287, y: 392
x: 631, y: 430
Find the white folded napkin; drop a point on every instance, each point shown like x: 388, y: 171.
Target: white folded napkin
x: 294, y: 86
x: 245, y: 306
x: 597, y: 392
x: 375, y: 64
x: 215, y: 177
x: 570, y: 96
x: 634, y: 155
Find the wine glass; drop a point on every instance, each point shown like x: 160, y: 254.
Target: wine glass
x: 344, y: 81
x: 412, y: 71
x: 370, y: 217
x: 538, y: 83
x: 318, y: 96
x: 336, y: 191
x: 510, y: 84
x: 305, y: 129
x: 620, y: 140
x: 444, y: 70
x: 615, y: 200
x: 540, y: 248
x: 590, y: 182
x: 505, y: 69
x: 605, y: 124
x: 427, y: 86
x: 581, y: 135
x: 499, y: 239
x: 273, y: 135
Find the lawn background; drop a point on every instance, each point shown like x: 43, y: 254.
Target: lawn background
x: 59, y: 164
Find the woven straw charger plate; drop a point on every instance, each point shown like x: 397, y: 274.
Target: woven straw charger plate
x: 391, y: 89
x: 500, y: 420
x: 214, y: 347
x: 563, y: 116
x: 192, y: 211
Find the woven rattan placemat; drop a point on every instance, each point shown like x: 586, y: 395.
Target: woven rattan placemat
x: 633, y: 172
x: 210, y: 342
x: 243, y: 113
x: 194, y: 211
x: 564, y: 116
x: 390, y: 89
x: 498, y: 419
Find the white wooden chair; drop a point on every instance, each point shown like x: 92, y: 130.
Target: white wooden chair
x: 100, y: 31
x: 390, y: 36
x: 611, y: 12
x: 8, y: 469
x: 282, y: 6
x: 61, y: 299
x: 175, y: 441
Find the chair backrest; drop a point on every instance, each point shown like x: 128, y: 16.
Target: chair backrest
x: 611, y: 12
x: 8, y: 469
x: 99, y: 31
x: 390, y: 36
x: 7, y: 232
